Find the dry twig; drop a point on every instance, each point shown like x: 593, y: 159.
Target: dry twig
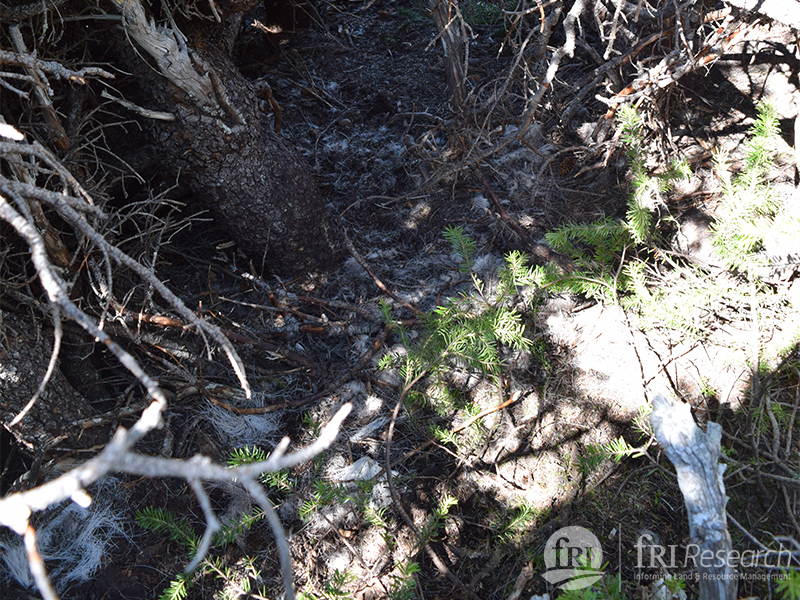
x: 118, y: 457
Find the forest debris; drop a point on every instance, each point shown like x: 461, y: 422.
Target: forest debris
x: 541, y: 251
x: 150, y: 114
x: 696, y: 454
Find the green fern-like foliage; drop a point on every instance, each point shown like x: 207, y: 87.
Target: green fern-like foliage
x: 177, y: 589
x: 430, y: 530
x: 614, y: 258
x: 179, y: 529
x: 325, y: 492
x: 594, y: 249
x: 789, y: 586
x: 749, y: 211
x: 247, y: 456
x: 608, y: 587
x: 465, y: 331
x: 462, y: 245
x: 473, y: 331
x: 600, y: 241
x: 603, y: 251
x: 518, y: 520
x: 403, y: 583
x: 244, y: 456
x: 162, y: 520
x: 470, y: 329
x: 616, y: 450
x: 648, y: 189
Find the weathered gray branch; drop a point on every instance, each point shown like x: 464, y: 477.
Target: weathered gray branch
x: 118, y: 456
x: 567, y: 49
x: 695, y: 455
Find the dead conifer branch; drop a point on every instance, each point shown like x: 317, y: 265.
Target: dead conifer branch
x: 546, y: 30
x: 567, y: 49
x: 42, y: 92
x: 213, y: 524
x: 25, y: 11
x: 613, y: 35
x: 678, y: 63
x: 36, y: 150
x: 696, y: 454
x: 109, y: 250
x: 56, y: 291
x: 118, y: 456
x: 52, y: 67
x: 170, y: 53
x: 51, y: 198
x: 37, y: 565
x: 145, y: 112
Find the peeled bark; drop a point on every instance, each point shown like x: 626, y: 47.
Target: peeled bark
x: 257, y: 187
x: 444, y: 14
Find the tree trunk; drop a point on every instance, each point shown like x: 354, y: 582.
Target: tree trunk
x: 447, y: 22
x: 259, y: 189
x: 52, y: 419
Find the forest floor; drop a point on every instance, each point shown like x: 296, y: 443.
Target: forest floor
x: 363, y: 97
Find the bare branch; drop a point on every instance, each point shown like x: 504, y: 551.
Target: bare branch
x: 56, y: 291
x: 145, y: 112
x: 42, y: 91
x: 212, y: 522
x: 567, y: 49
x: 77, y: 220
x: 277, y: 529
x: 51, y: 66
x: 54, y: 199
x: 37, y: 565
x: 37, y: 150
x: 118, y: 456
x: 695, y: 454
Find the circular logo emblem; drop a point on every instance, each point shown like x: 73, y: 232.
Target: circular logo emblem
x: 573, y: 557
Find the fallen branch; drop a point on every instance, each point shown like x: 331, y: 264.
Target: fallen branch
x: 51, y: 66
x: 696, y: 454
x: 258, y: 344
x: 677, y: 64
x: 360, y: 260
x: 118, y: 457
x: 329, y: 389
x: 566, y: 49
x: 541, y: 251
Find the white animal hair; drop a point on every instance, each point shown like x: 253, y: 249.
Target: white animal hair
x: 73, y: 541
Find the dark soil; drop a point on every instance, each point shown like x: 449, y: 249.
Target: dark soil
x: 367, y: 106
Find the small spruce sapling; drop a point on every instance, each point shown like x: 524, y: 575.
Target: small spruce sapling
x: 604, y: 251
